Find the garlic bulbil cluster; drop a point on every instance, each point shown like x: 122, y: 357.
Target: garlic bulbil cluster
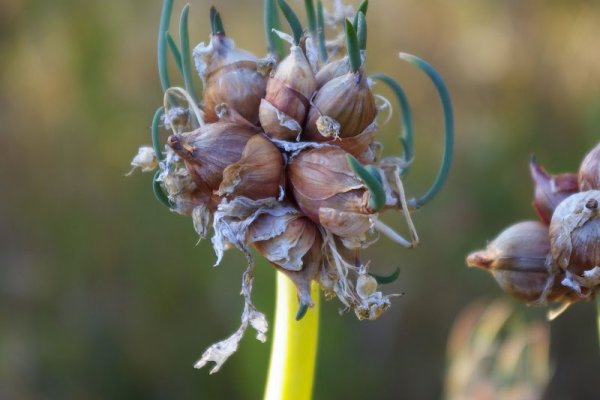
x: 558, y: 258
x: 278, y: 157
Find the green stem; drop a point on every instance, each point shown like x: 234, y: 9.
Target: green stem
x: 165, y: 18
x: 294, y: 350
x: 407, y: 135
x: 361, y: 31
x: 311, y: 17
x: 448, y: 128
x: 271, y: 17
x: 321, y: 31
x: 175, y: 52
x: 154, y: 130
x: 293, y: 20
x: 186, y: 60
x: 352, y: 46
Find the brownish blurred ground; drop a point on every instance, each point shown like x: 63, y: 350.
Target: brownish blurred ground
x: 102, y: 291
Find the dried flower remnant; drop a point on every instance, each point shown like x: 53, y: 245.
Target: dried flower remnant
x: 562, y: 250
x: 267, y: 162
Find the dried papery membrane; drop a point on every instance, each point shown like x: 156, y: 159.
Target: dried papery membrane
x: 202, y: 219
x: 230, y: 76
x: 233, y: 220
x: 296, y: 250
x: 177, y: 119
x: 145, y: 160
x: 346, y: 281
x: 251, y: 317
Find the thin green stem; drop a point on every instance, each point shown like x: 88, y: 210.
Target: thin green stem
x: 372, y: 181
x: 294, y: 350
x: 407, y: 135
x: 321, y: 31
x: 448, y: 128
x: 186, y: 60
x: 158, y: 192
x: 163, y: 28
x: 293, y: 20
x: 352, y: 46
x: 311, y: 16
x: 361, y: 31
x: 271, y: 21
x: 154, y: 131
x: 174, y: 51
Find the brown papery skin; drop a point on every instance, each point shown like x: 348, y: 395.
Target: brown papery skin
x: 517, y: 260
x: 347, y: 99
x: 259, y: 171
x: 550, y: 190
x: 589, y: 171
x: 292, y: 85
x: 210, y: 149
x: 332, y: 70
x: 322, y: 178
x: 239, y: 85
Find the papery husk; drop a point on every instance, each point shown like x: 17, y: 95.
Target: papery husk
x: 296, y: 250
x: 550, y: 190
x: 575, y: 237
x: 257, y: 175
x: 230, y: 76
x: 329, y: 193
x: 519, y: 259
x: 332, y: 70
x: 589, y: 171
x: 348, y: 100
x: 285, y: 106
x: 210, y: 149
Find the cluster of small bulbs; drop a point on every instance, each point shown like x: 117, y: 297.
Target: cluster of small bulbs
x: 279, y: 156
x: 555, y: 259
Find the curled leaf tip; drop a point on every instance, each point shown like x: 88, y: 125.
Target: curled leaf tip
x: 444, y: 95
x: 384, y: 279
x: 302, y: 309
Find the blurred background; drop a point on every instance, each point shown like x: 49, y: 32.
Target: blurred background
x: 104, y: 293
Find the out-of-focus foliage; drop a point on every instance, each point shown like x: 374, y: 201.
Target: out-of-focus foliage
x: 103, y: 293
x: 494, y: 354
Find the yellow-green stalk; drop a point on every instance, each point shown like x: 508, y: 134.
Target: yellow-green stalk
x: 294, y: 352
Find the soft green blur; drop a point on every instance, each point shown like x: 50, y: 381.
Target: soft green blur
x: 104, y: 293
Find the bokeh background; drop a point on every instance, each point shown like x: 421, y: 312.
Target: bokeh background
x: 104, y: 293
